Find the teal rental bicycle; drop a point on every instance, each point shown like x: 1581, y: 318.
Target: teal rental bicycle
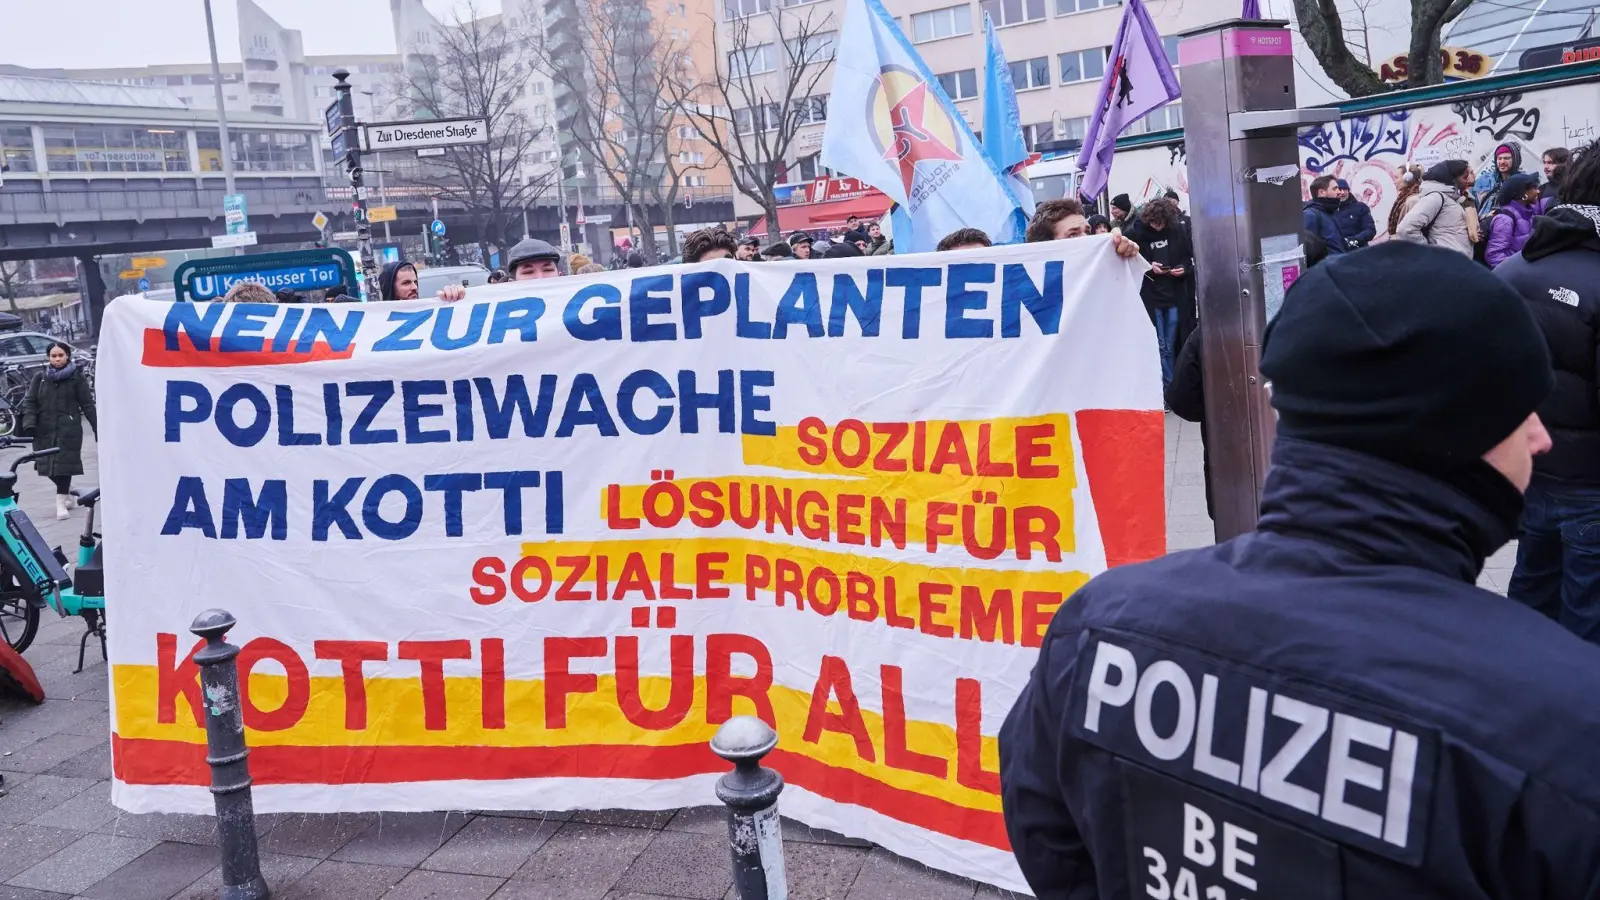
x: 33, y: 574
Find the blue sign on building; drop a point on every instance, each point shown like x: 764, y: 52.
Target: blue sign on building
x: 296, y: 278
x: 144, y: 285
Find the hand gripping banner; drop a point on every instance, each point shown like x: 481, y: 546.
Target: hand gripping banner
x: 528, y: 550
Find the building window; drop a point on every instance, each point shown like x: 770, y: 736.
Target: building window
x: 1031, y: 73
x: 97, y: 148
x: 1169, y: 116
x: 751, y: 61
x: 1170, y: 44
x: 1013, y: 12
x: 1068, y: 7
x: 1083, y: 65
x: 259, y: 151
x: 817, y: 47
x: 1075, y: 129
x: 691, y: 157
x: 16, y: 148
x: 811, y: 110
x: 738, y: 9
x: 962, y: 85
x: 1036, y: 134
x: 538, y: 88
x: 692, y: 180
x: 763, y: 118
x: 941, y: 23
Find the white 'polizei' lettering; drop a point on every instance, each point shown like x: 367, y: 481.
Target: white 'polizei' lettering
x: 1115, y: 682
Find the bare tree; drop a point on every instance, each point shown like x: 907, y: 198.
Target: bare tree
x: 1322, y: 25
x: 479, y: 68
x: 13, y: 275
x: 624, y: 71
x: 768, y: 67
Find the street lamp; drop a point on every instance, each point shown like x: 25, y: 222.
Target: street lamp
x: 383, y: 195
x: 222, y: 113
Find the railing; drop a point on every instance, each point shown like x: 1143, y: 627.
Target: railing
x: 152, y: 204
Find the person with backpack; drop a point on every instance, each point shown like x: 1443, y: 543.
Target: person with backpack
x: 1437, y: 217
x: 1512, y: 224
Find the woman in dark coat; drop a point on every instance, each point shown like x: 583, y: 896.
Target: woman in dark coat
x: 57, y: 403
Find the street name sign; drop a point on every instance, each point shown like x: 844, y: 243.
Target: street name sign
x: 382, y: 214
x: 384, y: 136
x: 246, y: 239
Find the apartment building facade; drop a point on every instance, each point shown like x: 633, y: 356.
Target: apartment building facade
x: 1056, y: 49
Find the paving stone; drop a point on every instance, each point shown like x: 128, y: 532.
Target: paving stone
x: 82, y: 864
x: 37, y: 795
x: 277, y: 869
x: 819, y: 871
x: 990, y: 892
x: 630, y: 818
x: 315, y: 835
x: 335, y: 880
x: 402, y: 839
x: 162, y: 871
x: 491, y: 845
x: 541, y: 814
x: 23, y: 845
x: 423, y: 885
x: 681, y: 864
x: 27, y: 724
x: 187, y: 829
x: 700, y: 820
x: 92, y: 763
x: 799, y: 831
x: 8, y: 892
x: 885, y: 876
x: 89, y: 811
x: 580, y: 862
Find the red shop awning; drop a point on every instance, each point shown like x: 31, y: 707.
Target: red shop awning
x: 808, y: 216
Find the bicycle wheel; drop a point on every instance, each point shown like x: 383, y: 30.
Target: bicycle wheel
x: 8, y: 422
x: 19, y: 622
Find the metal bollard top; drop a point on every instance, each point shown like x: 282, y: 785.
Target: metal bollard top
x: 213, y: 624
x: 743, y: 738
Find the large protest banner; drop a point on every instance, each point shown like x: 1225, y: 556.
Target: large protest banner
x: 528, y: 550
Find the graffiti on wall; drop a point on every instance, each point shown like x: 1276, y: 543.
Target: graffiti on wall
x: 1373, y: 152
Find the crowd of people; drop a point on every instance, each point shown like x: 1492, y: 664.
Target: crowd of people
x: 1328, y: 706
x: 1487, y: 216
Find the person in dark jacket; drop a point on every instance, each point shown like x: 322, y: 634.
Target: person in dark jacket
x: 1320, y: 214
x: 1165, y: 244
x: 53, y: 411
x: 1555, y: 172
x: 1558, y: 274
x: 1185, y: 394
x: 1511, y: 223
x: 1328, y: 706
x: 1353, y: 217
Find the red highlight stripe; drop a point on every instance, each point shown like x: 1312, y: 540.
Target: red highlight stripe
x: 1124, y: 458
x: 155, y: 762
x: 188, y: 354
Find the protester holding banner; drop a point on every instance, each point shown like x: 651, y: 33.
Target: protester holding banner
x: 398, y: 281
x: 708, y: 244
x: 964, y: 239
x: 249, y: 292
x: 532, y: 258
x: 1328, y: 706
x: 1056, y: 220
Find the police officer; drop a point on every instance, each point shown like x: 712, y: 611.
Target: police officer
x: 1328, y: 707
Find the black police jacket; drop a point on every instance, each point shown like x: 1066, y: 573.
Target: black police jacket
x: 1325, y: 708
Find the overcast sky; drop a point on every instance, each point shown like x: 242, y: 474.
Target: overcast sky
x: 75, y: 34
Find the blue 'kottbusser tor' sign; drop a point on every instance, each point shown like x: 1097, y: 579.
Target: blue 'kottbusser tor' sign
x: 296, y: 278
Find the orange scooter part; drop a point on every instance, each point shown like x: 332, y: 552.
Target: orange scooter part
x: 16, y: 676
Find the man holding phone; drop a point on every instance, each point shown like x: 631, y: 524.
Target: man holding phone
x: 1165, y: 244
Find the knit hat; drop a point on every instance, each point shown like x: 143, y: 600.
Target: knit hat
x: 1407, y: 352
x: 1446, y: 172
x: 1343, y: 185
x: 1515, y: 186
x: 1122, y: 202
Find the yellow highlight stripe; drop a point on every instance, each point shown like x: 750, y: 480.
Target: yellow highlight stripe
x: 394, y: 718
x: 938, y: 600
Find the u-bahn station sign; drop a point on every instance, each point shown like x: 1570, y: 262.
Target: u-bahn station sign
x: 416, y: 135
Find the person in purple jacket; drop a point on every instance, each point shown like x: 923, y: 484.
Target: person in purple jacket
x: 1512, y: 223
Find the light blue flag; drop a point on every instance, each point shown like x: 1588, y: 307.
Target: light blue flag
x: 1002, y: 132
x: 913, y: 145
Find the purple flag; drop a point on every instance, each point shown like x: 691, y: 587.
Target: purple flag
x: 1252, y: 9
x: 1138, y: 80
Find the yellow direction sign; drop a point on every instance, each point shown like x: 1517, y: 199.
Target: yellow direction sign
x: 131, y: 274
x: 148, y: 262
x: 382, y: 214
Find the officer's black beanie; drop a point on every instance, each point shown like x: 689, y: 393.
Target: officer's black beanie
x: 1410, y: 353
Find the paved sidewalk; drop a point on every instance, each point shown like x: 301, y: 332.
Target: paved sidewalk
x: 61, y: 838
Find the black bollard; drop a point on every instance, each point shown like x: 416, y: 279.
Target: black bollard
x: 226, y: 754
x: 751, y: 794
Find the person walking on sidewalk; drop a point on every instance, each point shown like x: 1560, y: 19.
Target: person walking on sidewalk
x: 1558, y: 274
x: 57, y: 403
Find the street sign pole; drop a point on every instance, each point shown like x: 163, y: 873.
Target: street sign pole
x: 347, y: 119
